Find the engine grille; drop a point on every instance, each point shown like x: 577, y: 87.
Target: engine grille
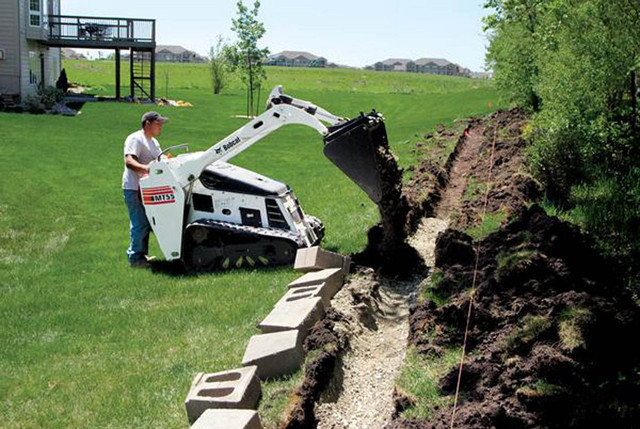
x: 274, y: 215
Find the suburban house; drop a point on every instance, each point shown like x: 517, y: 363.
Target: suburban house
x: 32, y: 33
x: 177, y: 54
x: 70, y: 54
x: 26, y: 62
x: 296, y: 59
x: 482, y: 75
x: 422, y: 65
x: 392, y: 64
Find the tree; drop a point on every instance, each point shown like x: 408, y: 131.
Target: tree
x: 580, y: 60
x: 246, y: 56
x: 513, y: 30
x: 219, y: 65
x: 63, y: 82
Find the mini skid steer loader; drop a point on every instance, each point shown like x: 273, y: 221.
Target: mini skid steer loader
x: 213, y: 215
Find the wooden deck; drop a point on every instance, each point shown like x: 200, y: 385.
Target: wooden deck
x: 92, y: 32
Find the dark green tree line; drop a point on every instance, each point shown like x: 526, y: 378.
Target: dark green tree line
x: 574, y: 64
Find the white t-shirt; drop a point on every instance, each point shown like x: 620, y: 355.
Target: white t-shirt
x: 146, y: 150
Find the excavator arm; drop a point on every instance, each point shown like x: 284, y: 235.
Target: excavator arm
x: 282, y: 110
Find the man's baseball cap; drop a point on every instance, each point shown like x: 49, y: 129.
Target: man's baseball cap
x: 154, y: 116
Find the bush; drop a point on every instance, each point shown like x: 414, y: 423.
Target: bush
x: 63, y: 83
x: 33, y: 104
x: 43, y: 100
x: 610, y: 209
x: 50, y: 96
x: 219, y: 65
x: 578, y: 63
x: 556, y: 160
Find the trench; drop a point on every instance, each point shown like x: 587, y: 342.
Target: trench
x: 360, y: 394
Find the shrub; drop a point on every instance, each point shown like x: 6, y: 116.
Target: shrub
x: 63, y: 83
x: 32, y: 103
x: 44, y: 99
x: 610, y: 209
x: 555, y: 158
x: 50, y: 96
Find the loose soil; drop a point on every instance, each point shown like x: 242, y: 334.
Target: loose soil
x: 551, y: 326
x: 387, y: 249
x: 549, y: 339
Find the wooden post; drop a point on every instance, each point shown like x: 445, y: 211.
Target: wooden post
x: 117, y: 73
x: 152, y: 76
x: 152, y: 83
x: 131, y: 73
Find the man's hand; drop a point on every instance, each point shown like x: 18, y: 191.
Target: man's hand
x: 132, y: 163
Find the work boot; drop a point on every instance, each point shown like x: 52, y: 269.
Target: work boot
x: 140, y: 263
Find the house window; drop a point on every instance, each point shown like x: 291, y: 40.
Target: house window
x: 35, y: 13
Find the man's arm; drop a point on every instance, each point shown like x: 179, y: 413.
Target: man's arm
x: 132, y: 163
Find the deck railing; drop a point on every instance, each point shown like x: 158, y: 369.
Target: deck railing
x: 91, y: 28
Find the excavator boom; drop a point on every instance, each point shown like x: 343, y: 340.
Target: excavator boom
x: 350, y: 144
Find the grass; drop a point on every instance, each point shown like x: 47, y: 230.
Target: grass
x: 430, y: 289
x: 412, y: 103
x: 490, y: 222
x: 438, y: 148
x: 572, y: 321
x: 276, y: 398
x: 531, y: 328
x: 474, y: 190
x: 88, y: 342
x: 540, y: 388
x: 419, y: 377
x: 508, y: 260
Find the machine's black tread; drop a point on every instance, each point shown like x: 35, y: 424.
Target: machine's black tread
x: 212, y: 258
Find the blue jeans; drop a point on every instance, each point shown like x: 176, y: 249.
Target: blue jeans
x: 139, y: 226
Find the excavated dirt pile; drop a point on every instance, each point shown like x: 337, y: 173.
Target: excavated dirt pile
x: 500, y: 160
x: 386, y: 247
x: 326, y: 343
x: 551, y: 337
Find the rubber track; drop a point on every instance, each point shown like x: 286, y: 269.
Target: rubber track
x: 261, y: 232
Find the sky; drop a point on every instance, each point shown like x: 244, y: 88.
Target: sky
x: 353, y: 33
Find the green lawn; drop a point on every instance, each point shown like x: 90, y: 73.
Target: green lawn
x: 88, y: 342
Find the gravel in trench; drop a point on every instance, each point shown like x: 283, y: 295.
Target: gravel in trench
x: 360, y: 396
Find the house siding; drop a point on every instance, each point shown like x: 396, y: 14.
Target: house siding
x: 30, y: 37
x: 10, y: 43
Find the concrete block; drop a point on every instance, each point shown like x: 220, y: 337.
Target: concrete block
x: 236, y: 388
x: 333, y: 277
x: 315, y: 259
x: 298, y: 314
x: 275, y: 354
x: 305, y: 292
x: 228, y: 419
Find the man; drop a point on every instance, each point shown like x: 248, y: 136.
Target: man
x: 140, y: 148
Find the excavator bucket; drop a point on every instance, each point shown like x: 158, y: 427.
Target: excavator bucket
x: 354, y: 147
